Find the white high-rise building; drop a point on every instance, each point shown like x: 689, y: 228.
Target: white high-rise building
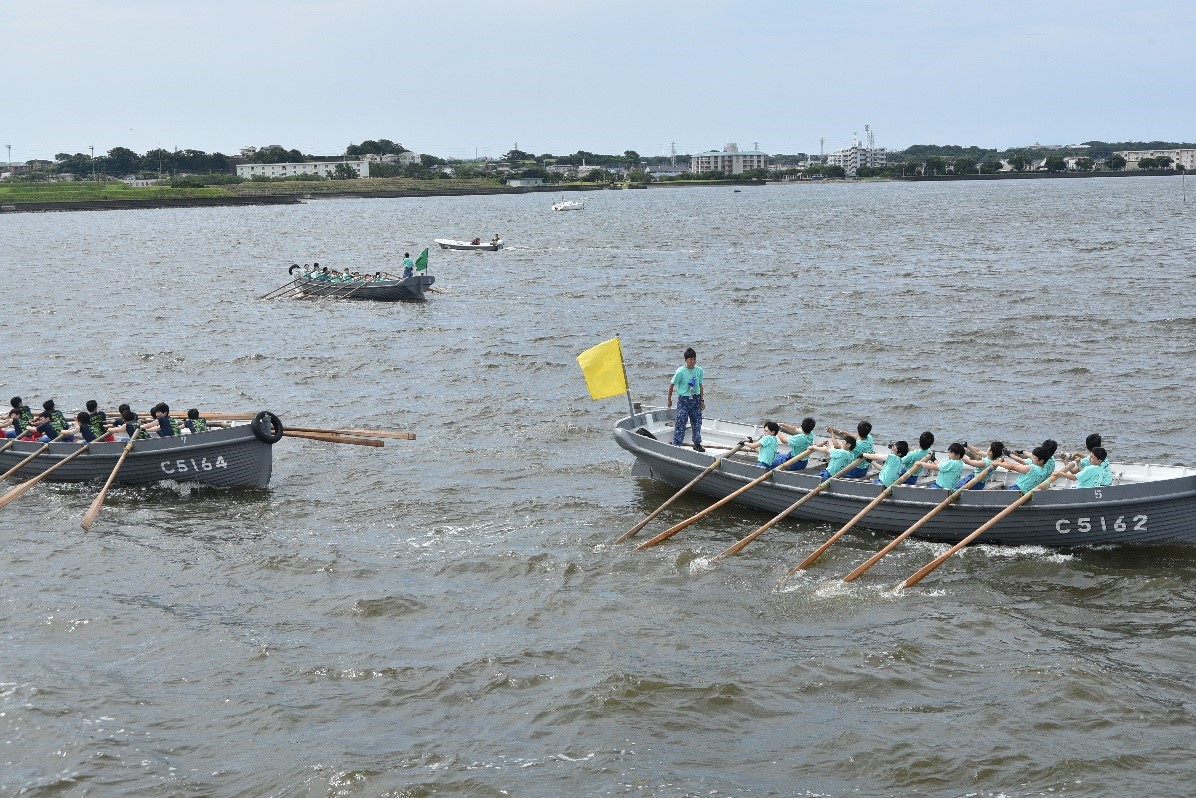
x: 730, y: 161
x: 857, y: 155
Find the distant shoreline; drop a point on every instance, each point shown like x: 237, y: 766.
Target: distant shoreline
x: 298, y: 198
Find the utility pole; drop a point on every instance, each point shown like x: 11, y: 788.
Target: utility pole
x: 672, y: 153
x: 9, y: 156
x: 92, y: 148
x: 821, y: 157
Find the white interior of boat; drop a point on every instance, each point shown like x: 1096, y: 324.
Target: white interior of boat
x: 719, y: 437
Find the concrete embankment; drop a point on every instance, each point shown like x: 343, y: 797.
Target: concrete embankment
x: 127, y: 204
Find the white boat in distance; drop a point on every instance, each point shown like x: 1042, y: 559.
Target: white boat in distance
x: 568, y: 205
x: 493, y: 245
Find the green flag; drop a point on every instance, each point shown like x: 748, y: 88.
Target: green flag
x: 421, y: 263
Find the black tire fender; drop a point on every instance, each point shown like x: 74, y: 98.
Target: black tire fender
x: 266, y: 427
x: 294, y: 268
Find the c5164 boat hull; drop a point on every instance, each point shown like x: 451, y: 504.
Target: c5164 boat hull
x: 229, y: 457
x: 1146, y: 503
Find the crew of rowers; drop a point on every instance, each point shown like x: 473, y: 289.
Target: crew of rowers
x: 843, y: 449
x: 92, y: 424
x: 326, y: 275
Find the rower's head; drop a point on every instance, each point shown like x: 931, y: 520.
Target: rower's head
x: 956, y: 451
x: 864, y: 428
x: 996, y: 449
x: 92, y: 405
x: 772, y: 427
x: 193, y: 413
x: 807, y: 425
x: 848, y: 442
x: 122, y: 408
x: 84, y: 418
x: 16, y: 403
x: 926, y: 440
x: 127, y: 414
x: 48, y: 405
x: 1041, y: 454
x: 1097, y: 455
x: 1092, y: 441
x: 162, y: 408
x: 900, y: 448
x: 1050, y: 445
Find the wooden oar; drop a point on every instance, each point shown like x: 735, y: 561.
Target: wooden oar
x: 892, y: 544
x: 739, y: 546
x: 333, y: 438
x: 364, y: 283
x: 280, y: 290
x: 668, y: 533
x: 94, y: 510
x: 19, y: 465
x: 939, y: 560
x: 630, y: 533
x: 884, y: 494
x: 6, y: 446
x: 402, y: 436
x: 29, y: 483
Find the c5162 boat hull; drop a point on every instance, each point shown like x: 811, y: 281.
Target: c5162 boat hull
x: 1146, y: 503
x: 230, y: 457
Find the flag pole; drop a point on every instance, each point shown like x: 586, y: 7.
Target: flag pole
x: 627, y: 382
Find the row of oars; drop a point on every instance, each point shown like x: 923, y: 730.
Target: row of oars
x: 808, y: 561
x: 359, y: 437
x: 313, y: 289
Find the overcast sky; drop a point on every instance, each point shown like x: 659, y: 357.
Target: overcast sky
x: 459, y: 77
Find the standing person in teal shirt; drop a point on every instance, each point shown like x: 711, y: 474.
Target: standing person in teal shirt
x: 691, y: 400
x: 408, y: 265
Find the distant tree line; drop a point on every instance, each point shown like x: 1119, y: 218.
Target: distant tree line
x: 630, y: 165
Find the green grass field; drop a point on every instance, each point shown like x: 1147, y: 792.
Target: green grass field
x: 11, y: 193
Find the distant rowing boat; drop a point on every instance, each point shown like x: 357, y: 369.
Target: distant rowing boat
x: 229, y: 457
x: 1146, y: 504
x: 568, y: 205
x: 406, y: 289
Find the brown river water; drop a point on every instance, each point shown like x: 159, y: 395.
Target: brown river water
x: 448, y: 616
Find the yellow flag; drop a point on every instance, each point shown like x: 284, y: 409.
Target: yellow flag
x: 602, y: 366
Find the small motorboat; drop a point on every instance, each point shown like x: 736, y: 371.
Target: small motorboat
x: 568, y: 205
x: 492, y: 245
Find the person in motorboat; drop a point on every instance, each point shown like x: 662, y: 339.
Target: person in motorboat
x: 476, y: 241
x: 494, y: 241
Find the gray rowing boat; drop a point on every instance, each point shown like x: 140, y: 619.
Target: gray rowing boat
x: 1146, y: 503
x: 406, y: 289
x: 228, y: 457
